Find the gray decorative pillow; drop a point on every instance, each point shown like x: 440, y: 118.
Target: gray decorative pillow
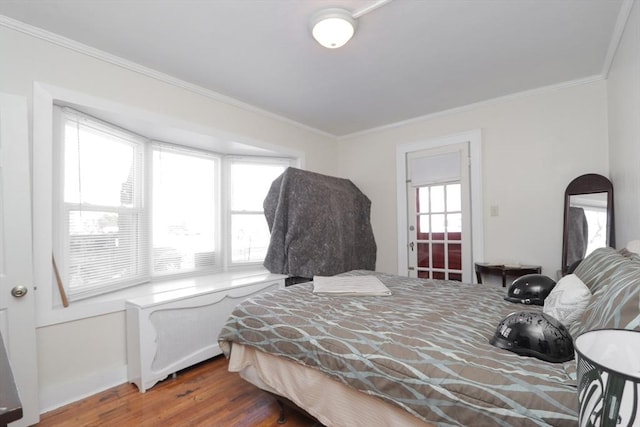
x: 596, y: 268
x: 616, y: 305
x: 567, y: 300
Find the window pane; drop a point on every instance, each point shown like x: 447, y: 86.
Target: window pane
x: 423, y: 255
x: 455, y: 256
x: 423, y: 274
x: 454, y: 223
x: 437, y: 223
x: 103, y: 249
x: 100, y: 168
x: 250, y: 237
x: 423, y: 226
x: 423, y: 199
x: 439, y: 275
x: 250, y: 183
x: 438, y: 255
x: 184, y: 214
x: 454, y: 199
x: 437, y: 198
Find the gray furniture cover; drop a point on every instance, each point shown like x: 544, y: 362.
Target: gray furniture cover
x: 320, y: 225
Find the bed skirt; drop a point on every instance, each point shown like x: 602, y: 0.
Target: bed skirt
x: 330, y: 402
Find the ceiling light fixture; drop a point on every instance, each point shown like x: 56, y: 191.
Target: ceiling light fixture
x: 334, y: 27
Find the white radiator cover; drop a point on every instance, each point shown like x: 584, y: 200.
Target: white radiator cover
x: 173, y: 330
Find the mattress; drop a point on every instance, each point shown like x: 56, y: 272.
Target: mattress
x: 424, y: 349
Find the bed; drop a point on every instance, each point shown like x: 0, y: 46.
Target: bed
x: 420, y: 356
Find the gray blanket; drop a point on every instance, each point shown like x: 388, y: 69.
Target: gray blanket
x: 320, y: 225
x: 425, y: 349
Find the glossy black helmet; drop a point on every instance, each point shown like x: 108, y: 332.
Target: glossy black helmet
x: 530, y: 289
x: 533, y: 333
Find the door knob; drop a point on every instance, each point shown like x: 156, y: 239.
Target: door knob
x: 19, y: 291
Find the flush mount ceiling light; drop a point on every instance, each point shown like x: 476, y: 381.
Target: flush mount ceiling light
x: 332, y: 28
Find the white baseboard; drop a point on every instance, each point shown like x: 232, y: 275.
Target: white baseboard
x: 53, y: 397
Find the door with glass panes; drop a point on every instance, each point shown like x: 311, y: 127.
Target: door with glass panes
x: 439, y: 214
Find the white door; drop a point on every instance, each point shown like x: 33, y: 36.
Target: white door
x: 439, y: 218
x: 17, y: 313
x: 409, y: 160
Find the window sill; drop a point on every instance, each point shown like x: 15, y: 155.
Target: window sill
x: 161, y: 290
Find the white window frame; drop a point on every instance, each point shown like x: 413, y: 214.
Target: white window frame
x: 219, y: 265
x: 61, y: 208
x: 228, y: 161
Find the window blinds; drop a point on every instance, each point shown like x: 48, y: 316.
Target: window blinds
x: 434, y: 169
x: 106, y: 229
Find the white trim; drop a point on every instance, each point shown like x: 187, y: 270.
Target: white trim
x: 43, y: 203
x: 616, y: 36
x: 475, y: 105
x: 148, y: 72
x: 474, y: 137
x: 70, y: 97
x: 62, y: 394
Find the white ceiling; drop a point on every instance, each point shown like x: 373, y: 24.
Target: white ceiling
x: 408, y: 58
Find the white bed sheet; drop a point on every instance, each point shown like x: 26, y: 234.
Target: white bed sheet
x: 330, y: 402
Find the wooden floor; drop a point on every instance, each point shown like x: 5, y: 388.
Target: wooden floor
x: 203, y: 395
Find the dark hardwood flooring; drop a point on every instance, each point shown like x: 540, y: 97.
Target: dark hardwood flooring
x: 203, y: 395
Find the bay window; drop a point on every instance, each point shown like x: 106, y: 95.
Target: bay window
x: 128, y: 209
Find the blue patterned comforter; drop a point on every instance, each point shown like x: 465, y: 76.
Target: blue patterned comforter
x: 425, y: 349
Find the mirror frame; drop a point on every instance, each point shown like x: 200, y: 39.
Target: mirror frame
x: 587, y: 184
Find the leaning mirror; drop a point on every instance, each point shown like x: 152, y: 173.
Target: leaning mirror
x: 588, y: 218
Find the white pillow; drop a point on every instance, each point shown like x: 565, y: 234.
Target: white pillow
x: 567, y: 300
x: 634, y: 246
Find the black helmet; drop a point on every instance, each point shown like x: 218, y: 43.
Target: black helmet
x: 533, y: 333
x: 530, y: 289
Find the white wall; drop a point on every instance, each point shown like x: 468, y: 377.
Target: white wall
x: 533, y: 146
x: 87, y: 355
x: 76, y: 359
x: 623, y: 87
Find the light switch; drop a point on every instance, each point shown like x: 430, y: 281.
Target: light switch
x: 494, y: 210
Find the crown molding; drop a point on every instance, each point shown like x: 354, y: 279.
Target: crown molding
x: 616, y: 36
x: 473, y: 106
x: 623, y: 15
x: 81, y: 48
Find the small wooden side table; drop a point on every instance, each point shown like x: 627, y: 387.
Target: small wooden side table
x: 487, y: 269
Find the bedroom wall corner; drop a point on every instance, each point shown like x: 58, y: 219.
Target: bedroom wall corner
x: 533, y: 145
x: 623, y: 86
